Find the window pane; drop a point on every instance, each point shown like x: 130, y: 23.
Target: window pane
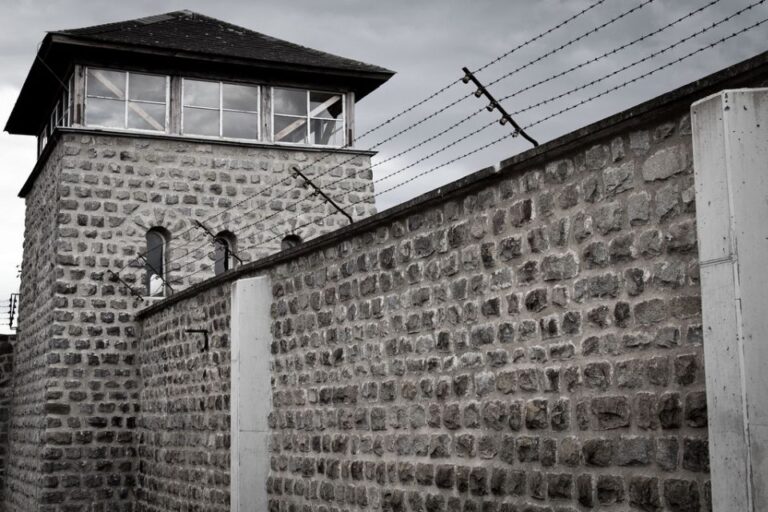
x: 329, y: 133
x: 201, y: 94
x: 146, y: 87
x: 220, y: 256
x: 201, y: 122
x: 240, y: 97
x: 290, y: 129
x: 155, y: 271
x: 323, y: 104
x: 240, y: 125
x: 290, y: 101
x: 109, y: 113
x: 108, y: 84
x: 146, y: 116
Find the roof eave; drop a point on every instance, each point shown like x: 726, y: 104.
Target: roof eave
x: 15, y: 124
x: 379, y: 73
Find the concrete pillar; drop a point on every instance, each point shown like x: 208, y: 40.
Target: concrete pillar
x: 251, y: 394
x: 730, y: 151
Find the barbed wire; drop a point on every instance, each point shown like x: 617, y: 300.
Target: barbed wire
x: 571, y: 42
x: 423, y: 173
x: 649, y: 73
x: 391, y: 119
x: 611, y: 52
x: 639, y: 61
x: 421, y: 121
x: 550, y: 116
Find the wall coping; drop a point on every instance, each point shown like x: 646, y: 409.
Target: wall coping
x: 61, y: 130
x: 676, y: 101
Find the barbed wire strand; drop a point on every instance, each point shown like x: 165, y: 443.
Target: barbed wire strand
x: 649, y: 73
x: 571, y: 42
x: 638, y: 61
x: 611, y: 52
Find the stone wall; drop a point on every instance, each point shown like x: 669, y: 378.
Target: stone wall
x: 535, y: 343
x: 183, y: 430
x: 78, y: 386
x: 6, y: 390
x: 28, y: 461
x: 532, y: 344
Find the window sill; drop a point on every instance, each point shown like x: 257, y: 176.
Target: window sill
x: 212, y: 140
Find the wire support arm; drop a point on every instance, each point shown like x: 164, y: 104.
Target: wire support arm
x: 505, y: 117
x: 318, y: 191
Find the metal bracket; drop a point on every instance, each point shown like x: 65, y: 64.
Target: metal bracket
x: 321, y: 193
x: 505, y: 117
x: 204, y: 332
x: 213, y: 238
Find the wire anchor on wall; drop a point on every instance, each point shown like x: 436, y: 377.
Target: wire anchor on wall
x: 495, y: 105
x: 215, y: 239
x: 115, y: 277
x: 12, y: 305
x: 204, y: 332
x: 319, y: 192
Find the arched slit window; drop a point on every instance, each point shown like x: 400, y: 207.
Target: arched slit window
x: 155, y: 262
x: 224, y: 254
x: 290, y: 242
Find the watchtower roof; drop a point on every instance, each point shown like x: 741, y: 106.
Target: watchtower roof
x: 194, y: 32
x: 185, y: 42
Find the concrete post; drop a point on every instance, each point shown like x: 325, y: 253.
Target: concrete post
x: 251, y: 394
x: 730, y: 151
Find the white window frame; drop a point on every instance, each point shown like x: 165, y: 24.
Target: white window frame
x: 127, y: 100
x: 63, y: 106
x: 221, y: 110
x: 309, y: 118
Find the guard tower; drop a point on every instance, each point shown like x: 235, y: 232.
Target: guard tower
x: 166, y: 148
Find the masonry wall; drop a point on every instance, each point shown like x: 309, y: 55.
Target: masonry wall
x: 183, y: 430
x: 27, y: 461
x: 532, y: 344
x: 536, y: 342
x: 78, y: 390
x: 6, y: 391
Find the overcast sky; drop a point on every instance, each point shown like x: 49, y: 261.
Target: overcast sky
x: 426, y: 42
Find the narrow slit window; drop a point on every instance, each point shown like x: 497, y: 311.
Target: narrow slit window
x: 155, y: 258
x: 308, y: 117
x: 217, y: 109
x: 223, y: 252
x: 126, y: 100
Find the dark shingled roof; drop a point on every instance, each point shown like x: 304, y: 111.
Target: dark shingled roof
x: 193, y: 32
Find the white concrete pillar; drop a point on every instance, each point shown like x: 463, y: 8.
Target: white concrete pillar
x: 730, y: 154
x: 251, y: 394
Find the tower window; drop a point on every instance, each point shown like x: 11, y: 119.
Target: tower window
x: 223, y: 252
x: 217, y: 109
x: 289, y: 242
x: 121, y: 99
x: 155, y: 259
x: 307, y: 117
